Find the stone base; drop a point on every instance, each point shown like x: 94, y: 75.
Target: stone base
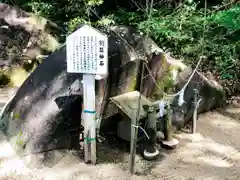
x: 170, y: 144
x: 150, y: 156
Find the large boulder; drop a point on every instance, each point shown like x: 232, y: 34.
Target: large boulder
x: 167, y: 76
x: 46, y: 110
x: 24, y: 37
x: 211, y: 93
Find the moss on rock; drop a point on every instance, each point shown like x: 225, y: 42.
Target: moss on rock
x: 167, y: 76
x: 49, y: 43
x: 24, y: 36
x: 16, y: 76
x: 164, y: 80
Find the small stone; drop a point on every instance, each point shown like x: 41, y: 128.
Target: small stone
x: 171, y: 144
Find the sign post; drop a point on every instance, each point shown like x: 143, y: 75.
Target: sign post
x: 87, y: 53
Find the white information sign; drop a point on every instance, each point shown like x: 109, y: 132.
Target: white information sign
x: 87, y: 51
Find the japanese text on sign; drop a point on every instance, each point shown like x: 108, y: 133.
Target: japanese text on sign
x: 87, y: 52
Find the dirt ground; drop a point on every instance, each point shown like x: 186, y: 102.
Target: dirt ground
x: 213, y: 153
x: 210, y: 154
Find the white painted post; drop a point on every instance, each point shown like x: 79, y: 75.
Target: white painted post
x: 89, y: 117
x: 87, y: 53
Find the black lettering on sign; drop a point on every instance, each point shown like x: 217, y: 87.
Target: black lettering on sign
x: 101, y: 63
x: 101, y: 43
x: 101, y: 56
x: 101, y: 49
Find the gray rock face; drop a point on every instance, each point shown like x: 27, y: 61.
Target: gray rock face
x: 46, y: 111
x: 39, y: 108
x: 211, y: 93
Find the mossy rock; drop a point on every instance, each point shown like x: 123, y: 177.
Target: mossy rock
x: 165, y: 72
x: 48, y: 104
x: 16, y: 76
x: 24, y: 36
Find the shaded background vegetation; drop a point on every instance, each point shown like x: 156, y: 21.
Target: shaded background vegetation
x: 180, y: 27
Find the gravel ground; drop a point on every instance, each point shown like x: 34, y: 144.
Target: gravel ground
x: 213, y: 153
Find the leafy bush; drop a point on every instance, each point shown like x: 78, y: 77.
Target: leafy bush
x: 66, y: 13
x: 182, y: 29
x: 186, y: 32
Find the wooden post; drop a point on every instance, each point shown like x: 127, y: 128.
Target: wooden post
x: 134, y: 124
x: 87, y: 53
x: 195, y: 106
x: 89, y: 118
x: 134, y: 133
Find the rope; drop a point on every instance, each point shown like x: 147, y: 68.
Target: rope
x: 149, y: 16
x: 149, y: 71
x: 146, y: 65
x: 142, y: 130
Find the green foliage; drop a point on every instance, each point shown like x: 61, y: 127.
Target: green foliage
x: 73, y: 23
x: 181, y: 29
x: 41, y: 8
x: 66, y: 13
x: 106, y: 21
x: 229, y: 19
x: 186, y: 32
